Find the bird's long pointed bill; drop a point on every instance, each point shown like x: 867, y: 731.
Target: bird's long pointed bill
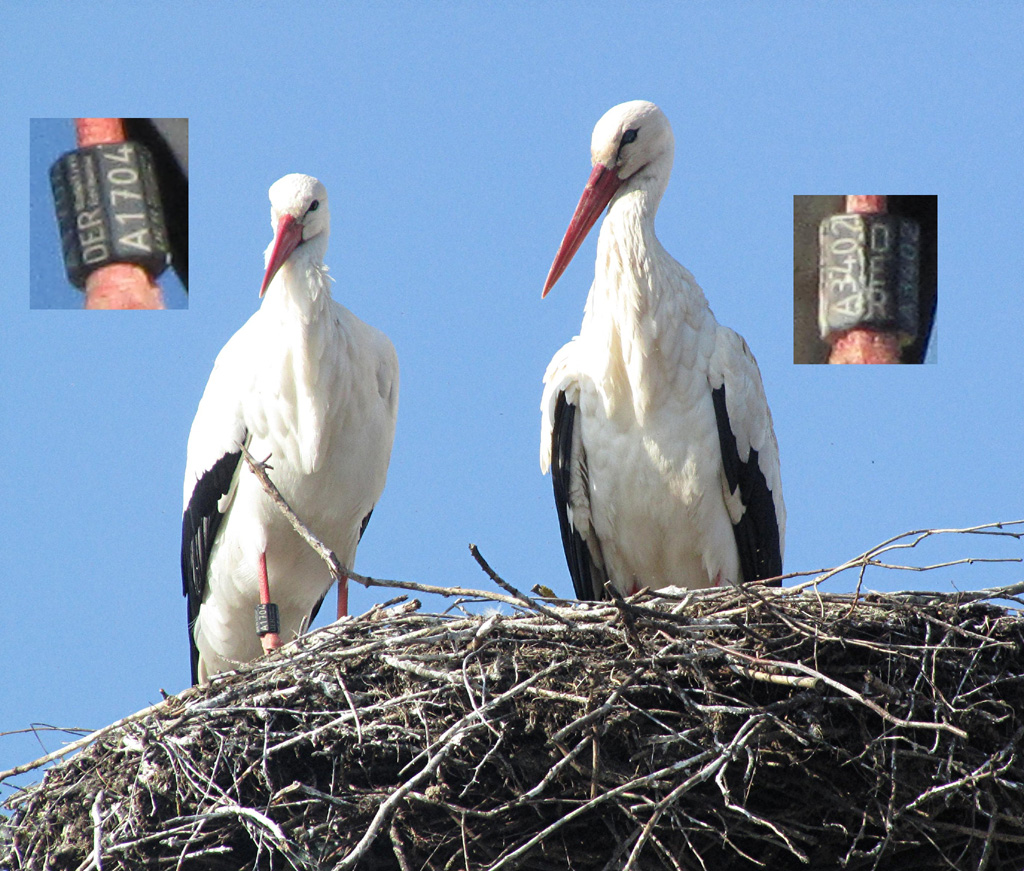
x: 601, y: 187
x: 286, y: 240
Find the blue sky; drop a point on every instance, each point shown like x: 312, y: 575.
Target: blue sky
x: 454, y: 141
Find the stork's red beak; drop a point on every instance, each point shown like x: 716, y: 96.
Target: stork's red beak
x: 601, y: 187
x: 286, y: 240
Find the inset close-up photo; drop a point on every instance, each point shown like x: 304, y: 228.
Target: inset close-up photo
x: 110, y: 215
x: 864, y: 279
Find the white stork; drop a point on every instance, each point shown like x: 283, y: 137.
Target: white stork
x: 654, y: 419
x: 308, y: 385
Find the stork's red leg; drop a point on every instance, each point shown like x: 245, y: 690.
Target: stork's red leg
x: 343, y: 597
x: 271, y: 640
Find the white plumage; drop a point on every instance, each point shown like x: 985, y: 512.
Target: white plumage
x: 654, y: 419
x: 308, y: 385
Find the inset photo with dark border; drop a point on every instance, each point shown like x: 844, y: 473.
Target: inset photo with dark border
x: 864, y: 279
x: 108, y: 213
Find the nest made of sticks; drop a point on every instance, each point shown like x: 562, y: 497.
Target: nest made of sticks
x: 722, y: 729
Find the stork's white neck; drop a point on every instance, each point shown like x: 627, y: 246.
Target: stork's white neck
x: 300, y: 365
x: 301, y: 288
x: 644, y: 309
x: 627, y: 247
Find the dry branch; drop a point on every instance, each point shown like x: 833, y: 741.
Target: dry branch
x: 723, y: 730
x: 720, y: 729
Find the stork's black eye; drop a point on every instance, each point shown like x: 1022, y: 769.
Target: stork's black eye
x: 313, y: 206
x: 628, y: 136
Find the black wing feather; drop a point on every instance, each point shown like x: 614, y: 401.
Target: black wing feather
x: 316, y: 608
x: 757, y: 533
x: 588, y: 577
x: 199, y: 527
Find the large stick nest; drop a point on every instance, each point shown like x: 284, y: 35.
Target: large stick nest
x: 723, y: 729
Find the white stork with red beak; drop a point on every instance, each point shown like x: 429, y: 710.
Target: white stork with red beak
x: 654, y: 420
x: 312, y: 389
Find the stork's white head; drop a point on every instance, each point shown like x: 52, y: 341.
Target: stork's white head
x: 632, y: 137
x: 632, y: 146
x: 301, y: 220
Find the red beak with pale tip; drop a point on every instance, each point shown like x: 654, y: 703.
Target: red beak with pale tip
x: 600, y: 189
x: 286, y: 240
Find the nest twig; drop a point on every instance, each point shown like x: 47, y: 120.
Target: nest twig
x: 719, y: 729
x: 786, y: 729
